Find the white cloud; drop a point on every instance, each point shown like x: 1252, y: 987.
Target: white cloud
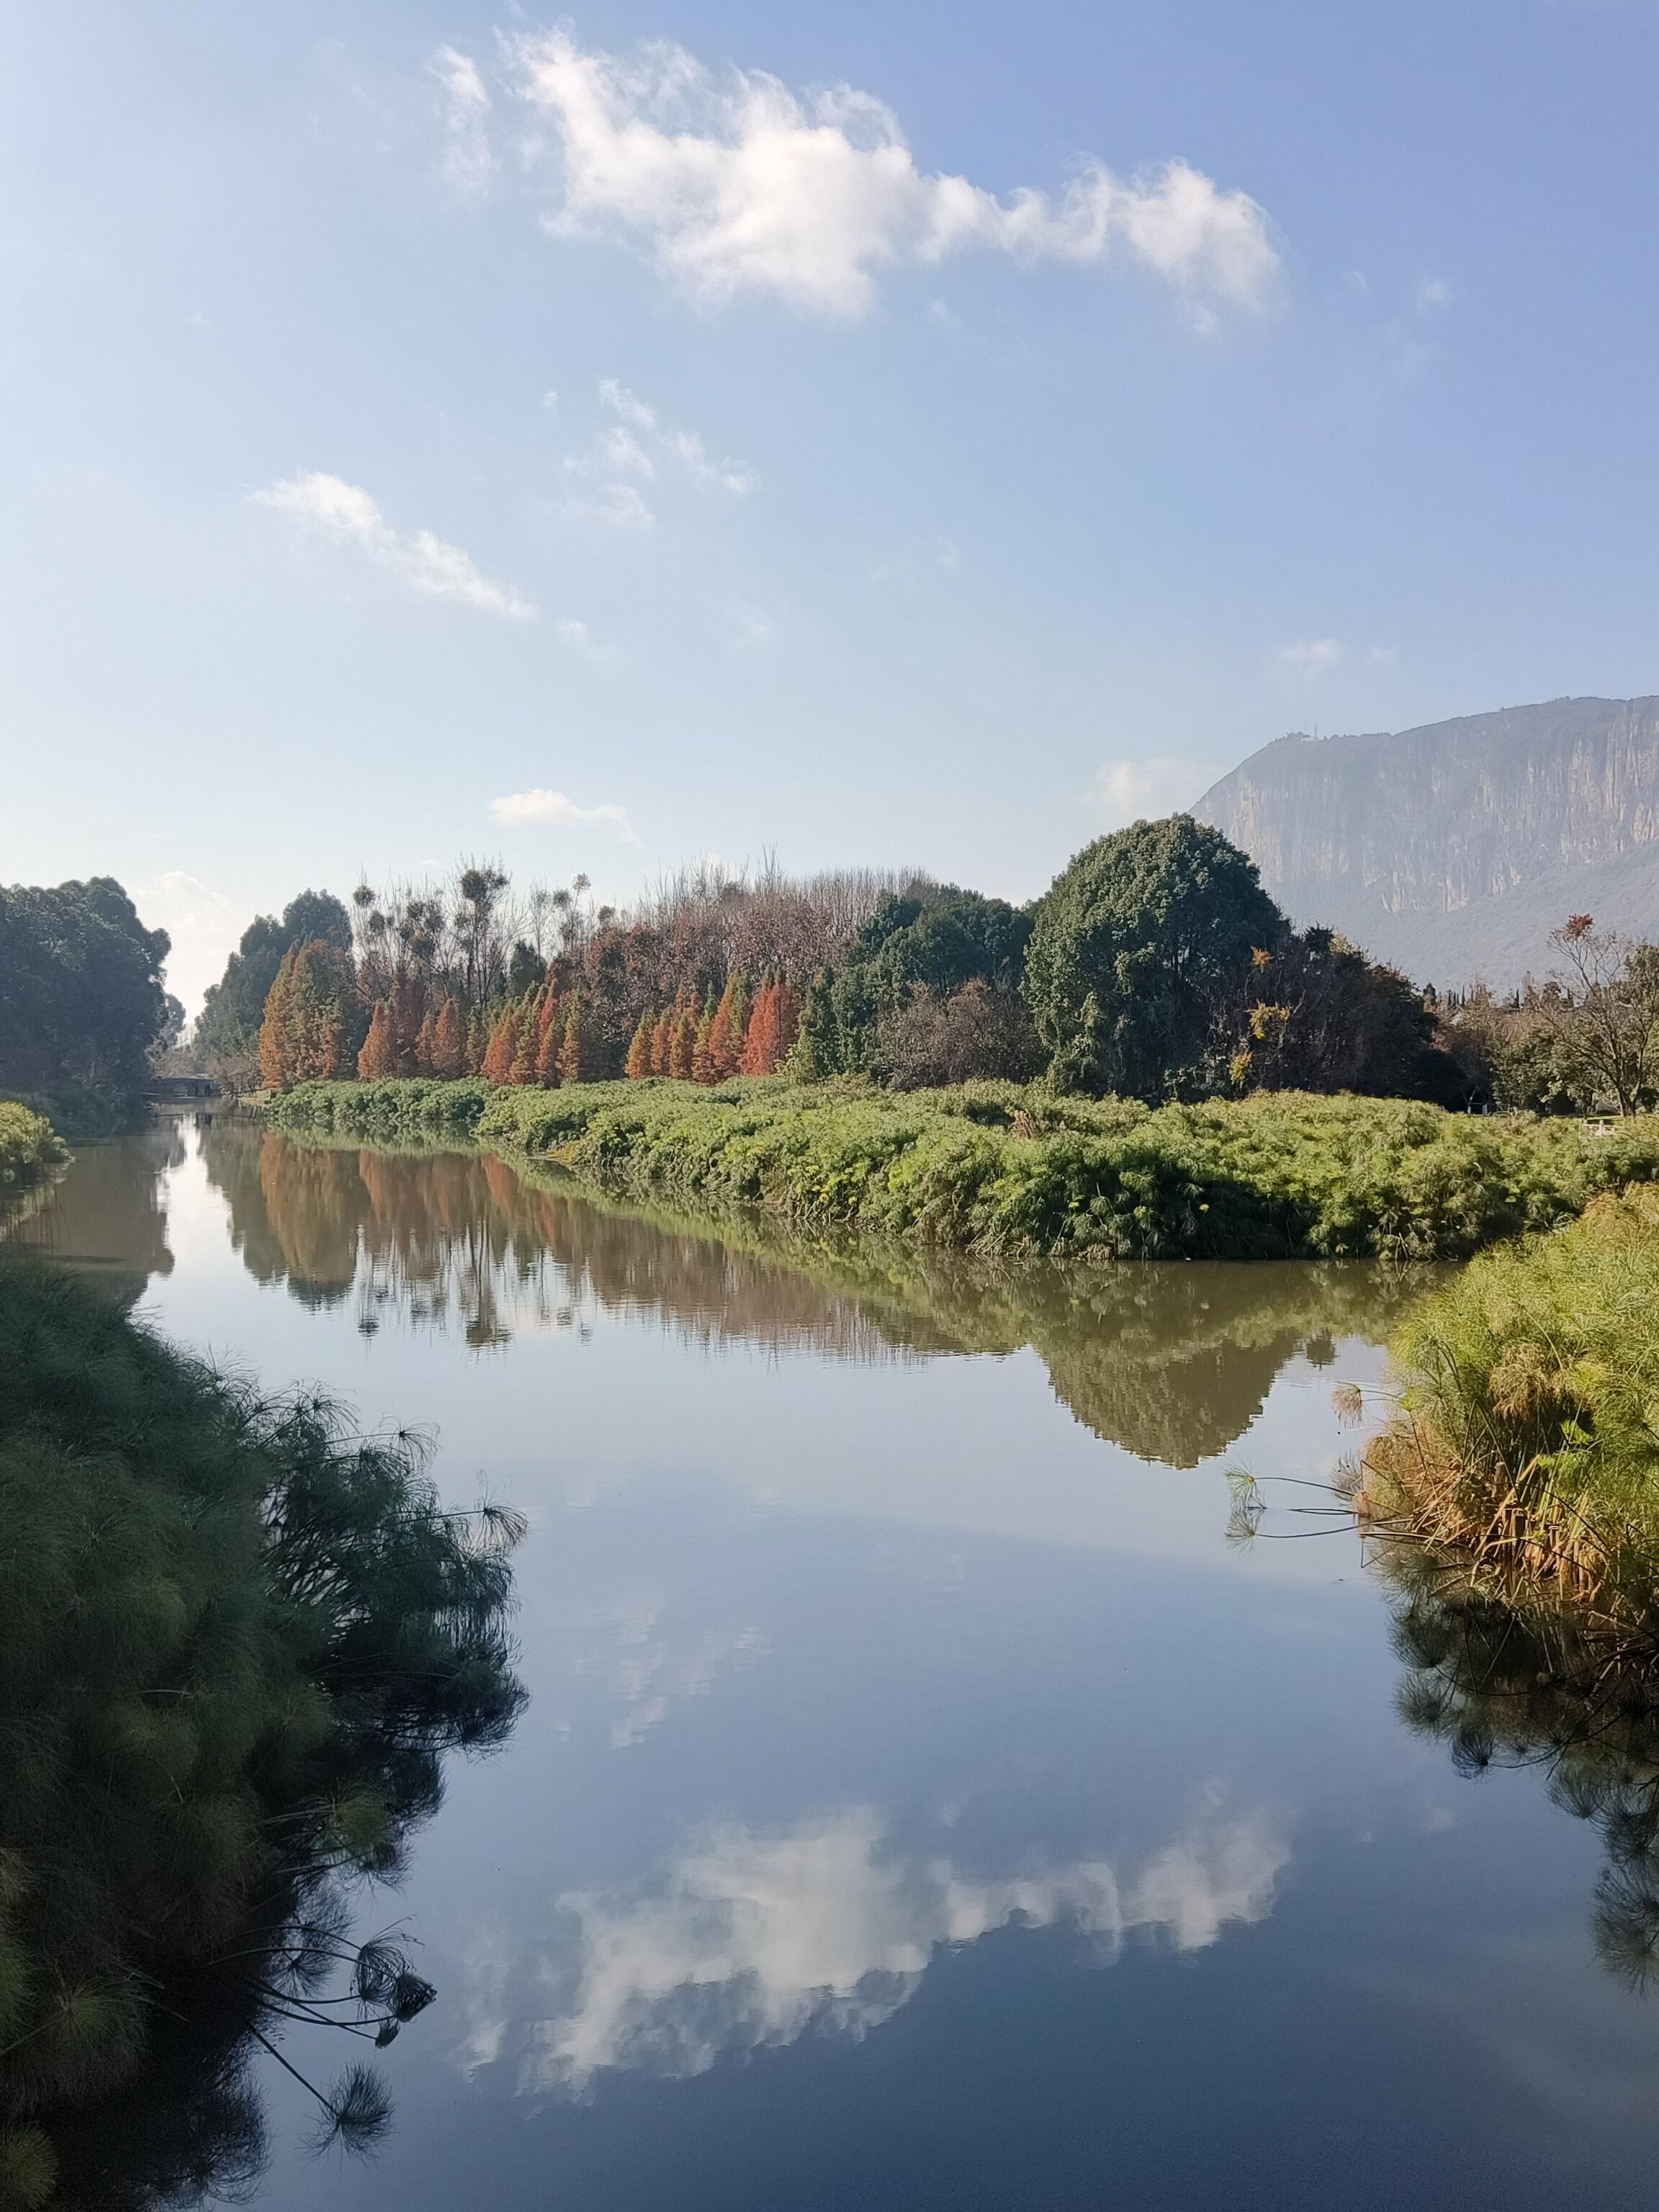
x: 205, y: 926
x: 735, y: 184
x: 626, y: 404
x: 618, y: 504
x: 622, y: 450
x: 329, y: 508
x: 747, y: 1939
x: 1433, y: 293
x: 1382, y: 656
x: 749, y: 627
x: 577, y: 637
x: 1127, y: 791
x: 552, y: 809
x: 468, y: 162
x: 1308, y: 657
x: 639, y: 444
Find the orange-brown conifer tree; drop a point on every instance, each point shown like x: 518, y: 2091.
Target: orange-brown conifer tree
x: 639, y: 1052
x: 448, y: 1042
x: 375, y: 1060
x: 275, y: 1062
x: 503, y: 1043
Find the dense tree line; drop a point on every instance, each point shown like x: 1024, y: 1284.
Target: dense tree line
x: 703, y: 979
x: 1155, y: 967
x: 82, y: 1001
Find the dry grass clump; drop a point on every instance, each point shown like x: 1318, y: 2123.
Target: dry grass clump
x: 1529, y: 1431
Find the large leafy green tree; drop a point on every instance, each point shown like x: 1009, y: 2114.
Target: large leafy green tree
x: 228, y: 1028
x: 82, y: 997
x: 1139, y: 957
x: 932, y: 941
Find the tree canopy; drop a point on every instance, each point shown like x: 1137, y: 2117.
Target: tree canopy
x: 81, y: 996
x: 1138, y: 951
x: 228, y: 1028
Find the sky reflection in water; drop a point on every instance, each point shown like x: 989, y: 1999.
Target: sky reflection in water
x: 921, y: 1802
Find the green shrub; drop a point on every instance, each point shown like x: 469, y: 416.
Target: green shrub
x: 235, y: 1641
x: 400, y: 1108
x: 29, y: 1146
x: 991, y: 1167
x: 1528, y: 1429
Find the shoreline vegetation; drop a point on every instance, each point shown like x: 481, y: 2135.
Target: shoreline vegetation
x: 1527, y: 1435
x: 31, y: 1149
x: 237, y: 1641
x: 1002, y: 1169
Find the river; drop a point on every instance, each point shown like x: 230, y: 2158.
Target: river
x: 926, y: 1799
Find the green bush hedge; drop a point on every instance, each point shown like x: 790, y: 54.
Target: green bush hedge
x: 996, y: 1168
x: 29, y: 1146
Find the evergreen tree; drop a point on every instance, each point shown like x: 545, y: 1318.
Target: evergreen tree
x: 477, y: 1040
x: 375, y: 1060
x: 321, y: 992
x: 276, y: 1059
x: 523, y: 1069
x: 639, y: 1052
x: 702, y: 1065
x: 682, y: 1043
x: 571, y: 1052
x: 815, y: 1054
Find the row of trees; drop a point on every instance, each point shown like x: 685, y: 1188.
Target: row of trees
x: 1156, y: 966
x: 83, y: 1003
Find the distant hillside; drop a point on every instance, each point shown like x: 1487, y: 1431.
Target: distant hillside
x: 1453, y: 850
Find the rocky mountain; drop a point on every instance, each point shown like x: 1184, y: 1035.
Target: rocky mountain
x: 1453, y: 850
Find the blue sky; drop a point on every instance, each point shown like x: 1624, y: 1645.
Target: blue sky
x: 913, y: 434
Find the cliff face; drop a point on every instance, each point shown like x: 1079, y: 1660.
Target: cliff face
x: 1453, y: 850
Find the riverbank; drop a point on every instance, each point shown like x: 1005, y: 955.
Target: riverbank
x: 236, y: 1641
x: 1001, y: 1169
x: 1525, y: 1439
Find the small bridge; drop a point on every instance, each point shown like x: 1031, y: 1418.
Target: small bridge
x: 181, y: 1091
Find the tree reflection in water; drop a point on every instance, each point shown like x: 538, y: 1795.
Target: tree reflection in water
x: 1171, y: 1362
x: 1510, y: 1678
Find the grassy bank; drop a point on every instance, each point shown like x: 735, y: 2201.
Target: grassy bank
x: 235, y: 1642
x: 994, y: 1168
x: 29, y: 1148
x: 1529, y: 1433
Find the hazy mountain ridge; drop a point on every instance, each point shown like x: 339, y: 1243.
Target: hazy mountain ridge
x: 1454, y: 849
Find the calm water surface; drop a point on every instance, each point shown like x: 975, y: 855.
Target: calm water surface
x: 922, y: 1802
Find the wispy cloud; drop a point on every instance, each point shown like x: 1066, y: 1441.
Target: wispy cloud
x: 577, y: 638
x: 639, y: 444
x: 552, y: 809
x: 750, y: 629
x: 618, y: 504
x: 468, y: 160
x: 731, y: 183
x: 1309, y: 656
x: 1127, y: 790
x: 327, y: 506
